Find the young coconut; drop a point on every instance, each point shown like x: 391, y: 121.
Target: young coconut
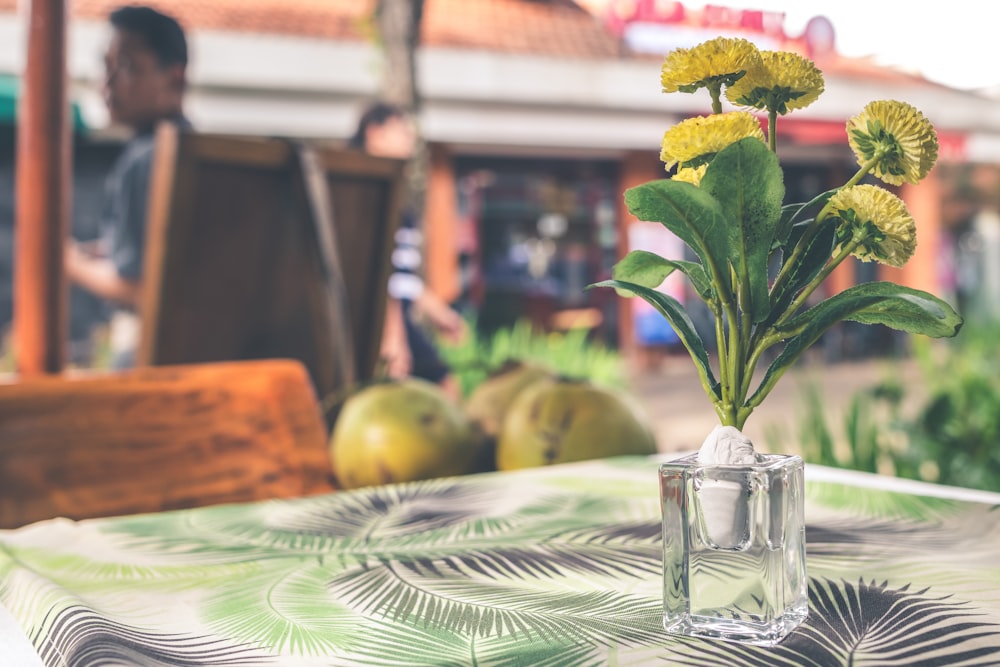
x: 400, y: 431
x: 562, y: 420
x: 488, y: 403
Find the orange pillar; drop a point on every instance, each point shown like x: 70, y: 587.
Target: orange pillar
x: 441, y: 226
x: 840, y: 278
x: 924, y: 202
x: 42, y: 173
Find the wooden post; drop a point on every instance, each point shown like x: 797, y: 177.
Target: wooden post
x: 41, y: 295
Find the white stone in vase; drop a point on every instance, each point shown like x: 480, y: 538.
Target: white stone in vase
x: 724, y: 502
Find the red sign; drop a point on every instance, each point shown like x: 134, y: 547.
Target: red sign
x: 621, y: 13
x: 951, y: 147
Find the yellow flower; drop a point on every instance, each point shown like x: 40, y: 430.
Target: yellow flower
x: 691, y: 175
x: 695, y: 141
x: 895, y: 134
x: 722, y: 60
x: 881, y: 219
x: 784, y: 82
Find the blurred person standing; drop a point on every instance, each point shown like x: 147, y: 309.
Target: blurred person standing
x: 386, y: 130
x: 144, y: 85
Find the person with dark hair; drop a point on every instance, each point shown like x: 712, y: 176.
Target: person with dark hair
x: 144, y: 85
x: 386, y: 130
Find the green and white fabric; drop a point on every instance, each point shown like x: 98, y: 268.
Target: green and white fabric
x: 543, y: 567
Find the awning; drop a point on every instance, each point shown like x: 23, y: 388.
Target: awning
x: 9, y: 86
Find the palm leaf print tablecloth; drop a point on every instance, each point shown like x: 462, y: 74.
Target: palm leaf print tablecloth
x: 548, y: 566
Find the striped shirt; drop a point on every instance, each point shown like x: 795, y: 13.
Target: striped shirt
x: 405, y: 283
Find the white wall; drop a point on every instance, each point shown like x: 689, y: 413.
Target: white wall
x: 276, y: 85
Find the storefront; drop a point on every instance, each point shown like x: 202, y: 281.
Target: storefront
x: 520, y: 237
x: 534, y: 140
x: 539, y: 231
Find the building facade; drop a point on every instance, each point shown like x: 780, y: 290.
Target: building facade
x: 538, y: 114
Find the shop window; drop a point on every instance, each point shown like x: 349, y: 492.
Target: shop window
x: 535, y: 234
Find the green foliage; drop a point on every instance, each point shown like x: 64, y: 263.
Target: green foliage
x: 650, y: 270
x: 746, y: 180
x: 958, y: 426
x: 736, y: 225
x: 800, y: 274
x: 674, y: 312
x: 948, y: 433
x: 690, y: 213
x: 572, y: 353
x: 885, y: 303
x: 859, y: 447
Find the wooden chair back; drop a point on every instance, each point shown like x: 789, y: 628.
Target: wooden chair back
x: 260, y: 248
x: 159, y: 438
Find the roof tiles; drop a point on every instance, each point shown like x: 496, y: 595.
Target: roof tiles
x: 557, y: 28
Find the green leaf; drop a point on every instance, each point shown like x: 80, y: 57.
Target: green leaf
x: 807, y: 267
x: 650, y: 270
x: 794, y: 214
x: 893, y: 305
x: 693, y: 215
x: 885, y: 303
x: 746, y: 179
x: 674, y: 312
x: 789, y: 215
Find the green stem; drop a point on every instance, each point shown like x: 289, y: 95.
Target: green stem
x: 854, y: 180
x: 814, y: 228
x: 772, y: 130
x: 722, y: 308
x: 720, y: 348
x: 746, y: 362
x: 736, y: 367
x: 734, y: 360
x: 744, y: 408
x: 754, y: 357
x: 703, y: 375
x: 715, y: 90
x: 767, y: 341
x: 801, y: 297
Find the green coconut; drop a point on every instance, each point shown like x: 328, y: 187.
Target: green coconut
x: 489, y: 401
x: 562, y: 420
x: 401, y: 431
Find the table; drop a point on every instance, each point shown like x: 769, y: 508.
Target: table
x: 547, y: 566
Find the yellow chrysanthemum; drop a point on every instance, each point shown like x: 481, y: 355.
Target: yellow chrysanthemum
x: 784, y: 82
x: 895, y: 134
x: 720, y: 60
x: 889, y: 232
x: 690, y: 175
x: 693, y: 142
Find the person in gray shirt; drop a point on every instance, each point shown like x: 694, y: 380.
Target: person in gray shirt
x: 145, y: 81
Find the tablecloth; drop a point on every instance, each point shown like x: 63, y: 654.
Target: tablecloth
x: 547, y: 566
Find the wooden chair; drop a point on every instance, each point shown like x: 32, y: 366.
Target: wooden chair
x: 159, y: 438
x: 262, y: 248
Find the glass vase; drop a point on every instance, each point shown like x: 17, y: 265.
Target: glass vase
x: 734, y: 549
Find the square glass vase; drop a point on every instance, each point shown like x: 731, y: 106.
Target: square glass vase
x: 734, y: 549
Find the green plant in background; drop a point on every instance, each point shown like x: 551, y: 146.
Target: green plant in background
x: 572, y: 353
x: 958, y: 427
x: 866, y: 423
x: 949, y: 434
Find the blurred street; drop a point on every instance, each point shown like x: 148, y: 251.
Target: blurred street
x: 683, y: 416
